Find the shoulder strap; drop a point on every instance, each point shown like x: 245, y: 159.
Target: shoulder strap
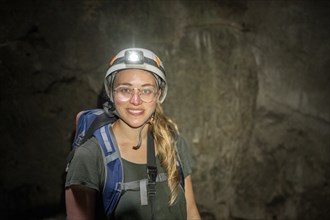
x: 179, y: 165
x: 113, y: 176
x: 151, y: 159
x: 151, y: 171
x: 100, y: 121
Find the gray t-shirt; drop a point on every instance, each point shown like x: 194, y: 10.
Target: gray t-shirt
x: 87, y: 169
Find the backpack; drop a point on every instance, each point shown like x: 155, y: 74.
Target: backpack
x: 95, y: 123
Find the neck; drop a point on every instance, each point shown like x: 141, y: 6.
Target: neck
x: 125, y: 133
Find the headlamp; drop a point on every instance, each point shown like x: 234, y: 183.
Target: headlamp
x: 134, y: 57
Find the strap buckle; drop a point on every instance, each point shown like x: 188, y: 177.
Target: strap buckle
x: 152, y: 175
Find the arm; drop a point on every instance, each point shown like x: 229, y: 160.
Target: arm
x: 192, y: 211
x: 80, y: 203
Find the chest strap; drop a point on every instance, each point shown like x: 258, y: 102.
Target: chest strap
x: 141, y: 185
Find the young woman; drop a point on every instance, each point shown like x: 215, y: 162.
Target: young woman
x: 136, y: 85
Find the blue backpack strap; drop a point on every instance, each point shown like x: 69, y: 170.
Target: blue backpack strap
x: 113, y: 169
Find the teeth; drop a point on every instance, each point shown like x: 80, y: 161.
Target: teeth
x: 135, y: 111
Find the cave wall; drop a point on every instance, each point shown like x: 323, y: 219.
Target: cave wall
x: 249, y: 87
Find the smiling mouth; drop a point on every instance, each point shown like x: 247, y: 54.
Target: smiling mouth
x: 135, y: 111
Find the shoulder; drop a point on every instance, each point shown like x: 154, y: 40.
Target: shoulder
x: 88, y: 154
x: 89, y: 149
x: 86, y: 167
x: 184, y: 155
x: 181, y: 144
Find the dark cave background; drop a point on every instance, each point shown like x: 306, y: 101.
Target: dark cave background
x: 249, y: 87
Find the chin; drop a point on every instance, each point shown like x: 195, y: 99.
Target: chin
x: 135, y: 123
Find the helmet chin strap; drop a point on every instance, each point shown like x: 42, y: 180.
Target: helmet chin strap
x: 110, y: 109
x: 149, y: 121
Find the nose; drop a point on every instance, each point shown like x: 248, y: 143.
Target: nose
x: 136, y: 99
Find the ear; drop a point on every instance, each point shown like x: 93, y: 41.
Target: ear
x: 152, y: 118
x: 159, y: 94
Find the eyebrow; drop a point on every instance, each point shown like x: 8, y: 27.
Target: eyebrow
x: 143, y: 85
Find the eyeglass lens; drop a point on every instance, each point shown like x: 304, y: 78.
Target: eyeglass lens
x: 146, y: 94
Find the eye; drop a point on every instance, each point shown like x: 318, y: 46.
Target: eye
x: 125, y: 90
x: 147, y: 91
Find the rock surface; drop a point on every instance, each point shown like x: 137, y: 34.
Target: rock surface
x: 249, y: 87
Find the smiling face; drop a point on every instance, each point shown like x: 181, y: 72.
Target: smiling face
x: 134, y: 111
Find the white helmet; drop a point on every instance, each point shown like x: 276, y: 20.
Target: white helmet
x: 136, y: 58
